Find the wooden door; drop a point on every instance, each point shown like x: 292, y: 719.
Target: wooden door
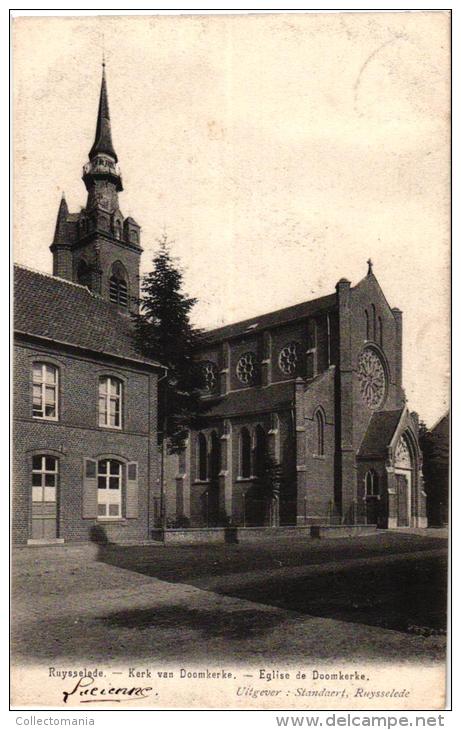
x: 402, y: 501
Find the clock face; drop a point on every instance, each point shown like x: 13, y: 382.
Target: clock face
x: 372, y: 378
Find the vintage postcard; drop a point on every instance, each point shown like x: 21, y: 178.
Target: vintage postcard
x: 231, y: 361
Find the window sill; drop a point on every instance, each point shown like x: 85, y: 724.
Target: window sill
x: 201, y: 481
x: 113, y: 520
x: 110, y: 428
x: 246, y: 479
x: 320, y: 457
x: 45, y: 418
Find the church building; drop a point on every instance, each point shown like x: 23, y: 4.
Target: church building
x: 316, y: 388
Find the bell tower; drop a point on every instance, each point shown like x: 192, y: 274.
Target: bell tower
x: 98, y: 247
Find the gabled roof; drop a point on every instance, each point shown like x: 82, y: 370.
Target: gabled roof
x: 378, y: 436
x: 281, y: 316
x: 253, y: 400
x: 69, y: 314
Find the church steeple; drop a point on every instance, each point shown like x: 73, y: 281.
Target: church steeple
x: 103, y: 137
x: 98, y: 247
x: 102, y: 171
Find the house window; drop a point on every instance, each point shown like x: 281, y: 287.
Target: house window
x: 109, y: 488
x: 44, y: 478
x: 110, y: 402
x: 45, y: 391
x: 320, y: 433
x: 245, y: 453
x: 202, y: 458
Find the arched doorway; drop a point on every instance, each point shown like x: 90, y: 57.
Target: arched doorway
x: 403, y: 469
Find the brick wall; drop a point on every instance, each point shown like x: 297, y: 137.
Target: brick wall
x: 77, y: 435
x: 320, y: 469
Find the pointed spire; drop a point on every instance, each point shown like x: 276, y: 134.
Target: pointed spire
x: 103, y: 137
x: 60, y: 232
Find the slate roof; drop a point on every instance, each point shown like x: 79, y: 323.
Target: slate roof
x: 67, y: 313
x: 379, y: 433
x: 281, y: 316
x: 253, y: 400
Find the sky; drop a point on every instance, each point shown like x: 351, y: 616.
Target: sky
x: 279, y: 152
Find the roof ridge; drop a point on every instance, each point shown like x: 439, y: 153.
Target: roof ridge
x: 55, y: 278
x: 265, y: 314
x: 93, y: 294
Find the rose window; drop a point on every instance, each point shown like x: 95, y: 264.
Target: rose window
x: 372, y: 378
x: 210, y: 376
x: 246, y: 368
x: 289, y: 358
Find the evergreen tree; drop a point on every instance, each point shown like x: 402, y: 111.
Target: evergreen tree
x: 435, y: 450
x: 163, y: 331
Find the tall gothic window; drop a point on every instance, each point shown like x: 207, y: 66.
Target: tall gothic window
x: 84, y: 273
x: 372, y: 484
x: 118, y: 230
x: 118, y: 286
x: 367, y: 325
x: 245, y: 453
x: 320, y: 432
x: 215, y: 456
x: 260, y: 452
x: 373, y: 322
x: 202, y: 458
x: 380, y: 331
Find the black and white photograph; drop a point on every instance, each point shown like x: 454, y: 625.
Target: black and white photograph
x: 231, y: 360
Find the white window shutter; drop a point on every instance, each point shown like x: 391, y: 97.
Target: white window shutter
x: 90, y: 489
x: 132, y: 499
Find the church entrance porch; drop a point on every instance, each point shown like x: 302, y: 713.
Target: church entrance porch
x: 390, y: 484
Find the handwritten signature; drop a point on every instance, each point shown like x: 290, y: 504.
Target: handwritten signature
x: 85, y: 691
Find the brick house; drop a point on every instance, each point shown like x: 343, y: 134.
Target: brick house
x: 318, y: 386
x: 85, y: 401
